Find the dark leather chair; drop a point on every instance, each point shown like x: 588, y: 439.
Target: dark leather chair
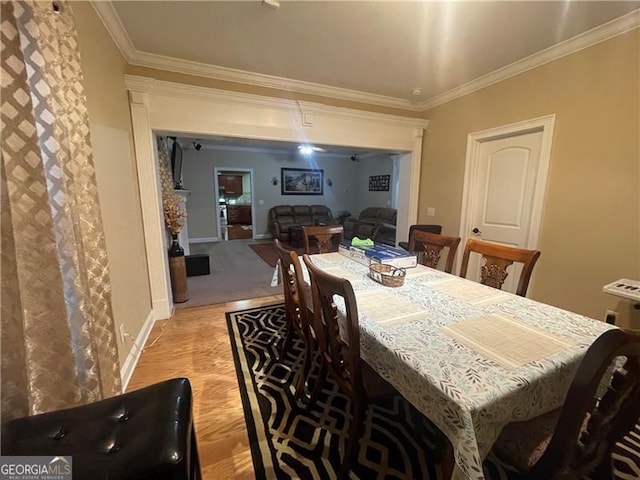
x: 423, y: 228
x: 142, y: 435
x: 376, y: 223
x: 283, y: 217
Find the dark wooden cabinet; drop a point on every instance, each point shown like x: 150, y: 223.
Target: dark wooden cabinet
x: 230, y: 185
x: 239, y: 214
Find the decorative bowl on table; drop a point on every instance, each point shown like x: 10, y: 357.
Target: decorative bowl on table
x: 387, y: 275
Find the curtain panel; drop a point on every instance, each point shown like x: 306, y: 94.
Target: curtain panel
x: 58, y: 337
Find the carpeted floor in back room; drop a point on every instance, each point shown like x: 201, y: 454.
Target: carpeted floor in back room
x: 237, y: 272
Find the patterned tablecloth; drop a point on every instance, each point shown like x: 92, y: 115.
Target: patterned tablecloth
x: 423, y: 339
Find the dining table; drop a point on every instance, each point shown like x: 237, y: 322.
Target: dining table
x: 469, y: 357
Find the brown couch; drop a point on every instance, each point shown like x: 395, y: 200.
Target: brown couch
x: 377, y: 223
x: 282, y: 217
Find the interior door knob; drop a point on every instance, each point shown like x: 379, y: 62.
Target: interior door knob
x: 476, y: 231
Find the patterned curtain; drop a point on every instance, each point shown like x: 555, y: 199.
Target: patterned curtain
x: 58, y: 335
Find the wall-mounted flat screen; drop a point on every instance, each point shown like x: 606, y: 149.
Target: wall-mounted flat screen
x: 176, y: 165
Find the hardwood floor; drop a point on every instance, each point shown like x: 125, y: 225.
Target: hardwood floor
x: 194, y: 343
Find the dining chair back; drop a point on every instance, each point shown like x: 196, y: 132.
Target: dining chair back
x: 295, y: 301
x: 600, y: 408
x: 339, y: 347
x: 431, y: 228
x: 338, y: 342
x: 497, y: 258
x: 429, y: 247
x: 324, y: 236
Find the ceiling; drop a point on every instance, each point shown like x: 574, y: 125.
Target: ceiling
x: 377, y: 52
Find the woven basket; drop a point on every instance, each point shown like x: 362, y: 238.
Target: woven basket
x: 387, y: 275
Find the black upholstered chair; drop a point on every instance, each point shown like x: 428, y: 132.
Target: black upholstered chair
x: 423, y: 228
x: 142, y: 435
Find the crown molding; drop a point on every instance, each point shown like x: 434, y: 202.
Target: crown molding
x: 136, y: 83
x: 152, y: 60
x: 112, y: 22
x: 599, y: 34
x: 587, y: 39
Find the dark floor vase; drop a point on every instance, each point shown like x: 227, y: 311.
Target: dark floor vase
x: 178, y: 271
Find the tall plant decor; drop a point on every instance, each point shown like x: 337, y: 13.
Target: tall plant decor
x: 174, y: 217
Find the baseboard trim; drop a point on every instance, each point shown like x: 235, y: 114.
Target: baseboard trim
x: 136, y: 349
x: 162, y: 309
x: 204, y: 240
x: 261, y: 236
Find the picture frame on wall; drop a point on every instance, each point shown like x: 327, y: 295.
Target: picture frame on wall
x: 302, y: 181
x: 379, y: 183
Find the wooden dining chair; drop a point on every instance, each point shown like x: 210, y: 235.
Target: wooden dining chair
x: 601, y: 407
x: 293, y: 292
x: 497, y: 258
x: 324, y: 236
x: 298, y: 309
x: 429, y: 247
x: 340, y: 356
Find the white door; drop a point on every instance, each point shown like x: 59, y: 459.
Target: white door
x: 502, y: 195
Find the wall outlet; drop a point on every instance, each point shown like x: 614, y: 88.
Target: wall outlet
x: 431, y: 211
x: 123, y: 334
x: 611, y: 316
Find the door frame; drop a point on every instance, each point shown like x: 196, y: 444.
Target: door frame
x: 160, y: 107
x: 216, y: 193
x: 546, y: 125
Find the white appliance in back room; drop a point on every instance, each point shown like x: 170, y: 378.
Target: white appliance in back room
x: 235, y: 205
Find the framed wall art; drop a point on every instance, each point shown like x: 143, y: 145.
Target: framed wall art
x: 302, y: 181
x: 379, y: 183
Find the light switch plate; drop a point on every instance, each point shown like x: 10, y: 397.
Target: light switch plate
x: 431, y: 211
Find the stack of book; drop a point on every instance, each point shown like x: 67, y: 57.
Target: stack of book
x: 379, y: 253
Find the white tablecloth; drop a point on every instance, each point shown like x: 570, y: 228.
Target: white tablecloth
x: 466, y: 393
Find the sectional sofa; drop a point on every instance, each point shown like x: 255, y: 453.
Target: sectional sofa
x: 377, y: 223
x: 282, y: 217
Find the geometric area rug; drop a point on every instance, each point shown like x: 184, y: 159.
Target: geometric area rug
x: 288, y: 441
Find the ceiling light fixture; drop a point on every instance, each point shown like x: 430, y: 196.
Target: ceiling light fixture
x: 309, y: 149
x: 271, y: 3
x: 416, y: 91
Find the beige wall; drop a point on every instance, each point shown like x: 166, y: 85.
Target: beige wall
x: 591, y: 221
x: 111, y: 137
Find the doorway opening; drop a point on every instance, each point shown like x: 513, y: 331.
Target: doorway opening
x: 159, y: 107
x: 233, y: 189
